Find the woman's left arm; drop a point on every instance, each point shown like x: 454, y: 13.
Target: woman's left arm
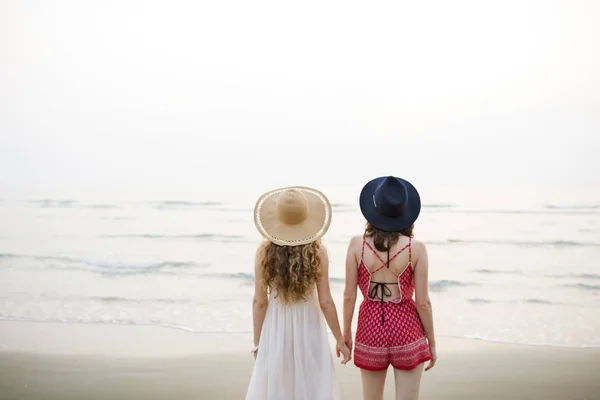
x: 350, y: 290
x: 328, y: 307
x: 261, y: 299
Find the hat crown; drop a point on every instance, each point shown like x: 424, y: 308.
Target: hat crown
x: 390, y: 197
x: 292, y: 207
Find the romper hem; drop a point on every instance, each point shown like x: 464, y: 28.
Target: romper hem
x: 361, y: 366
x: 405, y: 357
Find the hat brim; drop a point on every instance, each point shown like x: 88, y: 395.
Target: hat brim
x: 382, y: 222
x: 311, y: 229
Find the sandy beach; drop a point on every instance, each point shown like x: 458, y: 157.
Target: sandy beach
x: 70, y: 361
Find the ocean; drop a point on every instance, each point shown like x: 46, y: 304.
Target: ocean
x: 520, y: 273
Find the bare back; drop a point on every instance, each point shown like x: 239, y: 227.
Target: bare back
x: 386, y: 267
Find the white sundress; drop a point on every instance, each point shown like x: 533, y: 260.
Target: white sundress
x: 294, y: 360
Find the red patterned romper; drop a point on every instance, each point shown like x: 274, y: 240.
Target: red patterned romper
x: 388, y: 332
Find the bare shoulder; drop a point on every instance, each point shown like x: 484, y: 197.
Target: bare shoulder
x: 417, y: 245
x: 323, y: 252
x: 259, y: 258
x: 354, y: 246
x: 419, y: 250
x: 355, y: 242
x: 260, y: 251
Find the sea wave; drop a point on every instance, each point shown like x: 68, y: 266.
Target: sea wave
x: 573, y: 206
x: 167, y: 205
x: 230, y: 275
x: 342, y: 205
x: 576, y: 276
x: 456, y: 209
x: 101, y: 206
x: 103, y: 299
x: 532, y: 212
x: 441, y: 285
x: 479, y: 300
x: 68, y: 203
x: 117, y: 299
x: 212, y: 205
x: 524, y: 243
x: 122, y: 321
x: 54, y: 203
x: 207, y: 237
x: 446, y: 206
x: 104, y: 267
x: 517, y: 343
x: 182, y: 204
x: 583, y: 286
x: 538, y: 301
x: 232, y: 210
x: 497, y: 271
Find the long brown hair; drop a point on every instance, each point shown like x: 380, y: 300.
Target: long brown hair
x: 383, y: 240
x: 292, y: 270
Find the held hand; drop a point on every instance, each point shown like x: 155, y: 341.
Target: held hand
x: 433, y: 357
x: 341, y: 348
x: 348, y: 341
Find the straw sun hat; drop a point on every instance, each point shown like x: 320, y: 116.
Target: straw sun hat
x: 292, y: 216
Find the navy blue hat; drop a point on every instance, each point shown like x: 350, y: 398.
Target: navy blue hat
x: 390, y: 204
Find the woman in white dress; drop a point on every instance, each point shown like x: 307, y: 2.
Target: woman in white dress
x: 291, y: 348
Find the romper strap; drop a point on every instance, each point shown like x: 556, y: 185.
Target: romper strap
x: 362, y: 252
x: 383, y: 263
x: 401, y: 250
x: 374, y: 252
x: 380, y: 267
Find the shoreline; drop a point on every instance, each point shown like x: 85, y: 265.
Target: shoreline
x: 110, y: 325
x: 47, y: 361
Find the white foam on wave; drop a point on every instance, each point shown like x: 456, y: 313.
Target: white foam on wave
x: 225, y: 332
x: 521, y: 343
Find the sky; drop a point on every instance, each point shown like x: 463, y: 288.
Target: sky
x: 209, y: 97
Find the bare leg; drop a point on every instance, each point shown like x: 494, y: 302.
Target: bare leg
x: 373, y: 384
x: 408, y: 383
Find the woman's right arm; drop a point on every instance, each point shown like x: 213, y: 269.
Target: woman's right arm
x: 350, y: 289
x: 422, y: 300
x: 328, y: 306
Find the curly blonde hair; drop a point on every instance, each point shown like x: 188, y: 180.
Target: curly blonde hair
x: 292, y: 270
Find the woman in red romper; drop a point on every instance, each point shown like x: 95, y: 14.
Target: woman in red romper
x: 389, y: 267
